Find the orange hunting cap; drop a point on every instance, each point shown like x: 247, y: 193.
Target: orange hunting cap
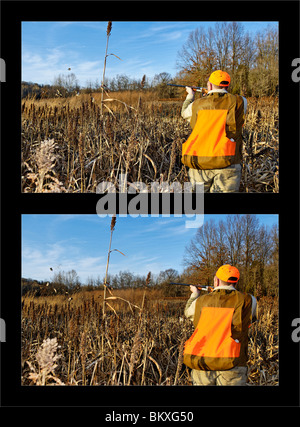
x: 219, y: 78
x: 228, y: 273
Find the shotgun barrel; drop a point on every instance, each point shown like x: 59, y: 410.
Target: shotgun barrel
x: 196, y: 88
x: 200, y: 287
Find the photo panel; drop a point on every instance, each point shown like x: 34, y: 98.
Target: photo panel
x: 157, y: 118
x: 107, y: 295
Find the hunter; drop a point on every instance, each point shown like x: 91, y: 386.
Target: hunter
x: 217, y: 352
x: 213, y: 151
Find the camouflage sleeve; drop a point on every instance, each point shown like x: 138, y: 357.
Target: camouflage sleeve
x: 186, y: 111
x: 189, y: 310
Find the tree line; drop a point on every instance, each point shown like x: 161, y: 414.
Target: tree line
x: 69, y: 282
x: 67, y: 85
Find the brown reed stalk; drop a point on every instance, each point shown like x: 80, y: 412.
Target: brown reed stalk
x: 108, y: 32
x: 180, y: 359
x: 130, y: 151
x: 81, y: 160
x: 70, y: 133
x: 112, y: 227
x: 143, y: 300
x: 172, y: 159
x: 82, y: 349
x: 137, y: 341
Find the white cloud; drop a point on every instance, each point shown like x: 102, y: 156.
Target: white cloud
x: 45, y: 67
x: 60, y: 256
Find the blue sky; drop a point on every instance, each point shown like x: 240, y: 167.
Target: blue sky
x: 50, y: 48
x: 80, y: 242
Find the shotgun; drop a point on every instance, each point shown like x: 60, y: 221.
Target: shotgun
x: 196, y: 88
x: 200, y: 287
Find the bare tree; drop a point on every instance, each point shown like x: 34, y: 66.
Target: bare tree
x: 66, y: 85
x: 247, y: 60
x: 251, y: 62
x: 69, y: 279
x: 221, y: 39
x: 197, y: 57
x: 234, y: 237
x: 160, y: 81
x: 265, y: 75
x: 200, y: 255
x: 235, y: 34
x: 238, y: 240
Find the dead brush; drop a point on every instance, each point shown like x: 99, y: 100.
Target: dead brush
x: 137, y: 144
x: 145, y: 142
x: 261, y: 147
x: 263, y: 363
x: 44, y: 177
x: 46, y: 359
x: 125, y: 350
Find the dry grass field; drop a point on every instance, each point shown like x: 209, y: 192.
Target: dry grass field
x: 67, y: 146
x: 138, y: 342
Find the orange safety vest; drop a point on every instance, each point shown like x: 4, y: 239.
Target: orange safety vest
x: 216, y: 139
x: 220, y: 339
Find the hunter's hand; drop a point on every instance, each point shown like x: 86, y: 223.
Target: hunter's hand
x: 195, y: 291
x: 190, y: 92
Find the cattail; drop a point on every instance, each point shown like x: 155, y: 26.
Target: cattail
x: 143, y: 81
x: 70, y: 129
x: 109, y: 25
x: 108, y: 31
x: 113, y: 223
x: 112, y: 227
x: 148, y: 278
x: 81, y: 148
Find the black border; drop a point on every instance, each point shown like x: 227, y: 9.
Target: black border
x: 14, y: 204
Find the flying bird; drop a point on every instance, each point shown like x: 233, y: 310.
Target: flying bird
x: 69, y: 69
x: 51, y: 268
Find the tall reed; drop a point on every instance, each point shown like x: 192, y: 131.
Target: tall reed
x: 108, y: 32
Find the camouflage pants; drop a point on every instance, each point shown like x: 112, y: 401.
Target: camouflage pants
x: 225, y: 180
x: 235, y: 376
